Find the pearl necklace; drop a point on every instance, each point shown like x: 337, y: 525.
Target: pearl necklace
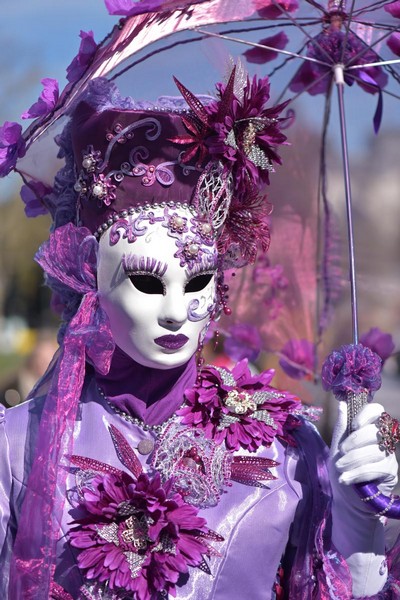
x: 157, y: 429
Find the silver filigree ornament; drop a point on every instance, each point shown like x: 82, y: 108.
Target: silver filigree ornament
x: 199, y: 467
x: 213, y: 195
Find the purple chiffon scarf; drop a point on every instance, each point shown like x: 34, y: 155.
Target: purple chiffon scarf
x: 69, y: 258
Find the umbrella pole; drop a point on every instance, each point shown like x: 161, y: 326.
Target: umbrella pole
x: 339, y: 80
x: 355, y: 402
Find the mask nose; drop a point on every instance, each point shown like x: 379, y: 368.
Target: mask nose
x: 174, y: 313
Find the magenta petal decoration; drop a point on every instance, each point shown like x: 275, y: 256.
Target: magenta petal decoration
x: 272, y: 10
x: 137, y: 535
x: 84, y: 57
x: 394, y: 43
x: 263, y: 55
x: 12, y: 146
x: 353, y: 368
x: 394, y: 9
x: 298, y: 358
x: 379, y: 342
x: 238, y: 408
x: 46, y: 101
x: 32, y: 195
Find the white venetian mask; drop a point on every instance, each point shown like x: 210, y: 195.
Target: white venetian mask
x: 157, y: 283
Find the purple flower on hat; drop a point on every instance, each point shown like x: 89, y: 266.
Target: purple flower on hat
x: 353, y: 368
x: 298, y: 358
x: 46, y: 101
x: 246, y: 132
x: 379, y: 342
x: 82, y: 60
x: 244, y: 341
x: 237, y: 408
x: 32, y: 195
x: 12, y: 146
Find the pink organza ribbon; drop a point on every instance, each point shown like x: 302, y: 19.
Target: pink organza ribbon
x: 70, y: 258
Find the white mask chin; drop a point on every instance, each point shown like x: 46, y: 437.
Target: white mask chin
x: 159, y: 288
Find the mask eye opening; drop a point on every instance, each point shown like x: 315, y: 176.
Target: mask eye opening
x: 147, y: 283
x: 198, y: 282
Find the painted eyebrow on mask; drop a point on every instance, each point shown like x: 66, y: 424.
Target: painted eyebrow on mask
x: 132, y: 263
x: 206, y: 263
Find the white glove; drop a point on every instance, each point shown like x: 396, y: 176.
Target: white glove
x: 358, y: 533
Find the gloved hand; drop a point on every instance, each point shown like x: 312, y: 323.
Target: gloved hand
x: 358, y: 533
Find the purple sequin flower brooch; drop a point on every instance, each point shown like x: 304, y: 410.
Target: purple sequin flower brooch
x: 238, y: 408
x: 135, y: 534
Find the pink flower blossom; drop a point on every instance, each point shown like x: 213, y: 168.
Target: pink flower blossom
x: 238, y: 408
x: 82, y: 60
x: 12, y: 146
x: 46, y: 101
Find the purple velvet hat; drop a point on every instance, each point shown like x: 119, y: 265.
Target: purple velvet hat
x: 125, y: 159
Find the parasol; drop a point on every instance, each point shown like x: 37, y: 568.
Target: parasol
x: 320, y: 47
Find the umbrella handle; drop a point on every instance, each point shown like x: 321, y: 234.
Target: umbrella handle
x: 388, y: 506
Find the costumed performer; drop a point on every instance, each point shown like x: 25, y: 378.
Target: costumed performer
x: 134, y: 470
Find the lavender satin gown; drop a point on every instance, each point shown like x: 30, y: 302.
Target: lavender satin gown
x: 273, y: 543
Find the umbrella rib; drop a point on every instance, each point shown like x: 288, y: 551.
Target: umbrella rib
x: 256, y: 45
x: 366, y: 48
x: 284, y: 63
x: 309, y: 86
x: 359, y: 80
x: 311, y: 39
x: 383, y: 26
x: 371, y: 7
x: 346, y: 35
x: 378, y: 63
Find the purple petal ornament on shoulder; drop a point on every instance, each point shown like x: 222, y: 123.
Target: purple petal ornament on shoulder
x: 237, y: 408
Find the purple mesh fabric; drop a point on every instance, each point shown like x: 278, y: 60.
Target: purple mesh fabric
x: 87, y: 336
